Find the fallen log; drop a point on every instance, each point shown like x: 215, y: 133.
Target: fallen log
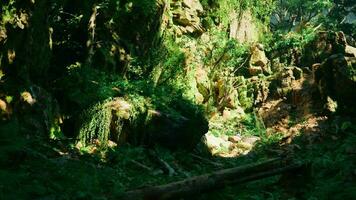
x: 216, y: 180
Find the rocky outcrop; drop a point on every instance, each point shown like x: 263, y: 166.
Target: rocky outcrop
x: 226, y: 95
x: 186, y: 16
x: 202, y: 84
x: 285, y: 80
x: 326, y: 44
x: 259, y: 62
x: 335, y: 77
x: 350, y: 51
x: 229, y: 146
x: 124, y: 120
x: 243, y: 28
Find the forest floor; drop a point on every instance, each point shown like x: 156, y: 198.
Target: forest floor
x: 326, y: 144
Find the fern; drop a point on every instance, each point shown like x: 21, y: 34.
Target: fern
x: 96, y: 124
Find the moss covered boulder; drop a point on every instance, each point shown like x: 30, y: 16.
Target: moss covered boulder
x: 139, y: 121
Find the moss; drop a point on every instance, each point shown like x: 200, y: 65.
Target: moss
x: 95, y: 124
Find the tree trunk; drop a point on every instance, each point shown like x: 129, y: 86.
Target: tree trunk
x: 215, y: 180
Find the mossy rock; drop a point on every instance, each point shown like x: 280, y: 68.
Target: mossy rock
x: 141, y: 124
x: 336, y: 78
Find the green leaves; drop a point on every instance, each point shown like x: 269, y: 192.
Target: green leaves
x: 291, y: 13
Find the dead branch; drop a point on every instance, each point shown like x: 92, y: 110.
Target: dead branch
x: 215, y: 164
x: 165, y: 166
x: 141, y: 165
x: 216, y: 180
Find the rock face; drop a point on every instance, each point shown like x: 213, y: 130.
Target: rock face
x: 286, y: 79
x: 243, y: 28
x: 193, y: 4
x: 122, y: 121
x: 350, y: 51
x: 229, y: 146
x: 258, y: 61
x: 225, y: 94
x: 186, y: 16
x: 175, y: 132
x: 335, y: 77
x: 326, y: 44
x: 203, y: 83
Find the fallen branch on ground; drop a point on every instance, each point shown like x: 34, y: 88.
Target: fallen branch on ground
x: 141, y: 165
x: 215, y: 164
x: 164, y: 165
x: 215, y: 180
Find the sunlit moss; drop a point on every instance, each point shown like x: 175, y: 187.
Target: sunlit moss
x: 96, y: 124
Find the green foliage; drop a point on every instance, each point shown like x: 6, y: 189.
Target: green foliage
x: 226, y: 57
x: 281, y: 40
x: 168, y: 61
x: 95, y: 124
x: 133, y: 61
x: 340, y: 17
x: 288, y: 47
x: 8, y: 13
x: 221, y: 10
x: 12, y: 142
x: 289, y: 13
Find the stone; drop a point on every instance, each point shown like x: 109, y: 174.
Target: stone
x: 326, y: 44
x: 199, y: 98
x: 216, y: 144
x: 232, y: 114
x: 331, y: 105
x: 250, y: 139
x: 174, y: 131
x: 261, y: 91
x: 232, y: 100
x: 183, y: 20
x: 335, y: 78
x: 3, y: 106
x: 27, y: 97
x: 255, y: 70
x: 350, y: 51
x: 297, y: 73
x: 244, y: 145
x: 112, y: 144
x: 178, y: 31
x: 235, y: 138
x: 203, y: 83
x: 258, y: 61
x: 190, y: 29
x: 187, y: 15
x: 193, y: 5
x: 243, y: 28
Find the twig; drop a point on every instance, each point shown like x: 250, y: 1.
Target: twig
x: 166, y: 167
x: 207, y: 160
x: 241, y: 65
x: 141, y: 165
x: 170, y: 170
